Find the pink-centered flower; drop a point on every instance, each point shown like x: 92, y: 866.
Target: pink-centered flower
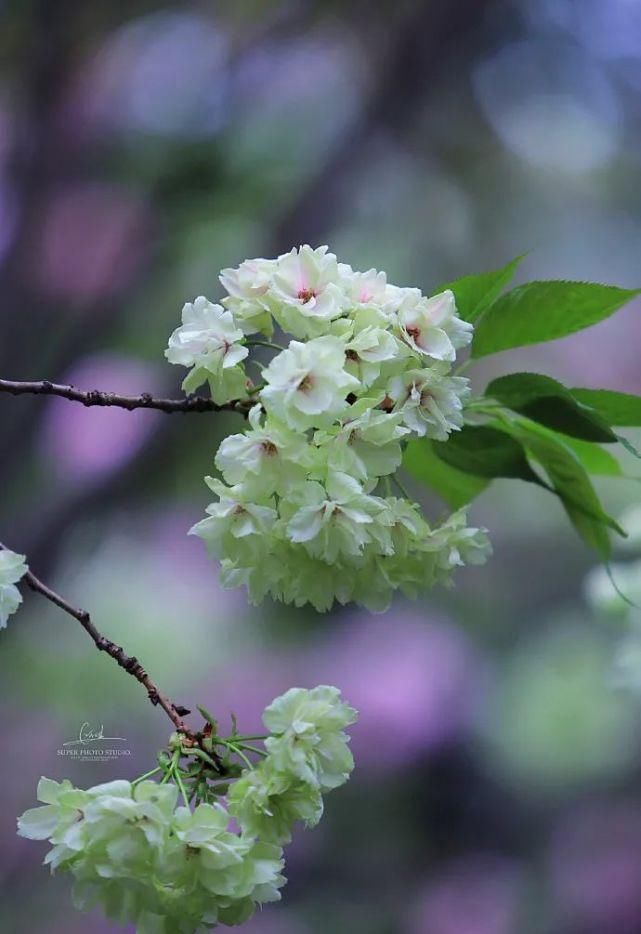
x: 431, y: 326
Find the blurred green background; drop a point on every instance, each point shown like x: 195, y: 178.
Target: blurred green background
x: 143, y: 147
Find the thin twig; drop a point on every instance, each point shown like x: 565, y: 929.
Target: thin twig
x: 129, y: 663
x: 145, y: 400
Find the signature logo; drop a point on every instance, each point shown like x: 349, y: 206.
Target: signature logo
x: 88, y: 734
x: 91, y: 745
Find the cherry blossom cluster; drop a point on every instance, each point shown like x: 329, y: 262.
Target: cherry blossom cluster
x: 305, y: 512
x: 178, y: 870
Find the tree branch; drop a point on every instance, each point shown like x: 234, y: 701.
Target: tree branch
x: 129, y: 663
x: 145, y: 400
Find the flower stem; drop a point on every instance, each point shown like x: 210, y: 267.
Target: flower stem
x: 171, y: 768
x: 141, y: 778
x: 401, y: 488
x: 270, y: 344
x: 238, y: 751
x: 180, y: 784
x: 259, y: 752
x: 241, y: 739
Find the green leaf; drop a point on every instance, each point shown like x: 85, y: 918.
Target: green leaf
x: 545, y: 311
x: 474, y: 294
x: 571, y: 483
x: 548, y: 402
x: 486, y: 452
x: 594, y: 458
x: 452, y: 485
x: 617, y: 408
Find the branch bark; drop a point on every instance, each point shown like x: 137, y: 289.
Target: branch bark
x: 96, y: 397
x: 129, y: 663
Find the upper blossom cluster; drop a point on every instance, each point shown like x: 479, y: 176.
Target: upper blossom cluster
x: 309, y: 294
x: 300, y: 515
x: 174, y: 870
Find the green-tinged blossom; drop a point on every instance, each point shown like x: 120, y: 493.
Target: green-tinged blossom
x: 144, y: 861
x: 300, y: 517
x: 12, y: 570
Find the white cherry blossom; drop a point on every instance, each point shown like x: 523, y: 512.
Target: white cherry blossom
x: 207, y: 338
x: 432, y: 327
x: 270, y: 456
x: 307, y: 384
x: 209, y: 341
x: 367, y: 350
x: 333, y: 519
x: 431, y: 403
x: 306, y: 293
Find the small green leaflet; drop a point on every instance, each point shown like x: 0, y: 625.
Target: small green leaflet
x: 617, y: 408
x: 454, y: 486
x: 205, y: 714
x: 474, y: 294
x: 545, y: 311
x: 548, y: 402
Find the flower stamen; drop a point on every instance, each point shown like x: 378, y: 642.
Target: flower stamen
x: 306, y: 295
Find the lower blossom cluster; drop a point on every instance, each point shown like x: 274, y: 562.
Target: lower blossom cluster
x: 148, y: 863
x: 174, y: 870
x: 305, y: 512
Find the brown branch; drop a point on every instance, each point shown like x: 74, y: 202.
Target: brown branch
x: 129, y: 663
x: 145, y: 400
